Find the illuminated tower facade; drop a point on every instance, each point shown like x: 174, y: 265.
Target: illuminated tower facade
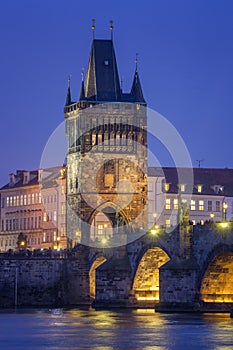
x: 107, y: 153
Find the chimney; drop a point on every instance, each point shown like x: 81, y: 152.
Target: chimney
x: 12, y: 179
x: 26, y: 177
x: 40, y: 172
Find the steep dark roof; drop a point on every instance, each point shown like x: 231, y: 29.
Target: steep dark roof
x: 136, y: 90
x: 102, y: 82
x: 207, y: 177
x: 19, y: 180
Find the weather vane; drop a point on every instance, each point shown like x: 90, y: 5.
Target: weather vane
x: 111, y: 28
x: 136, y: 61
x: 93, y: 28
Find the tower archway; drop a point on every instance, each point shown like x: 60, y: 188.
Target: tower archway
x: 92, y: 274
x: 146, y: 280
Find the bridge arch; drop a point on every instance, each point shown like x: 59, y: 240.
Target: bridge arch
x: 145, y: 282
x: 95, y: 263
x: 216, y: 277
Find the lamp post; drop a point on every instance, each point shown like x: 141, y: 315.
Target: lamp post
x: 224, y: 206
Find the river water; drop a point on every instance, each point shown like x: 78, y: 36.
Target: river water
x: 107, y: 330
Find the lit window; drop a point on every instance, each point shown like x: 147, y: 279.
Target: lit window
x: 14, y: 199
x: 168, y: 203
x: 45, y: 217
x: 63, y: 209
x: 194, y: 222
x: 108, y: 180
x: 11, y: 201
x: 193, y: 205
x: 7, y: 201
x: 25, y: 199
x: 202, y: 222
x: 182, y: 188
x: 217, y: 205
x: 44, y: 237
x: 99, y: 139
x: 33, y: 198
x: 17, y: 200
x: 93, y: 139
x: 201, y: 205
x: 166, y: 186
x: 175, y: 203
x: 123, y: 139
x: 100, y: 230
x: 54, y: 236
x: 29, y: 199
x: 118, y: 139
x: 54, y: 215
x: 39, y: 197
x: 62, y: 189
x: 210, y: 207
x: 199, y: 188
x: 21, y: 200
x: 168, y: 223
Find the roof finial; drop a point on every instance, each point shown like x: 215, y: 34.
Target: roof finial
x: 93, y: 28
x: 111, y: 28
x: 82, y: 74
x: 136, y: 61
x: 69, y: 78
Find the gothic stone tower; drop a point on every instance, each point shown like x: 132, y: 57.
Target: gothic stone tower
x: 107, y: 152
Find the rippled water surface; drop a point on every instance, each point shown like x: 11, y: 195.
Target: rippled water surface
x: 107, y: 330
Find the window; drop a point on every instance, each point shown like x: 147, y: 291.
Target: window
x: 168, y: 223
x: 7, y: 201
x: 100, y: 230
x: 182, y: 188
x: 201, y: 205
x: 11, y: 201
x: 199, y: 188
x: 45, y: 217
x: 44, y: 237
x: 29, y: 198
x: 210, y: 207
x: 63, y: 209
x: 193, y: 204
x: 166, y: 186
x: 63, y: 189
x: 25, y: 199
x: 93, y: 138
x: 54, y: 215
x: 175, y: 204
x: 21, y: 200
x: 3, y: 199
x: 39, y: 221
x: 99, y: 139
x: 17, y: 200
x: 217, y: 205
x: 123, y: 139
x: 194, y: 222
x: 39, y: 197
x: 202, y: 222
x: 32, y: 222
x: 118, y: 139
x: 108, y: 180
x: 168, y: 203
x: 33, y: 198
x: 14, y: 201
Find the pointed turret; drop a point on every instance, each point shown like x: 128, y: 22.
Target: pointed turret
x: 136, y: 90
x: 68, y: 96
x: 82, y: 91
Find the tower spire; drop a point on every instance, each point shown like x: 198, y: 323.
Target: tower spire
x: 93, y: 28
x: 68, y: 96
x: 111, y: 28
x: 136, y: 90
x: 82, y: 92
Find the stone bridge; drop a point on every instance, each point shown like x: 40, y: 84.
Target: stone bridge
x: 191, y: 267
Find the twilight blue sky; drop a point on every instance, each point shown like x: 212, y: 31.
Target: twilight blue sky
x: 185, y: 62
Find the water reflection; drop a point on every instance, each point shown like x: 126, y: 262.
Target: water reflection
x: 118, y: 330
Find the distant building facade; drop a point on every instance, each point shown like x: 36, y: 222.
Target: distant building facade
x: 211, y: 199
x: 32, y: 213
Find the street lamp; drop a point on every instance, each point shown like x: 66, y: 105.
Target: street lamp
x: 224, y: 206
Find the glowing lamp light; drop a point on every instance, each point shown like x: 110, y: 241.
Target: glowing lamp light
x: 153, y: 232
x: 104, y: 240
x: 223, y: 224
x: 212, y: 215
